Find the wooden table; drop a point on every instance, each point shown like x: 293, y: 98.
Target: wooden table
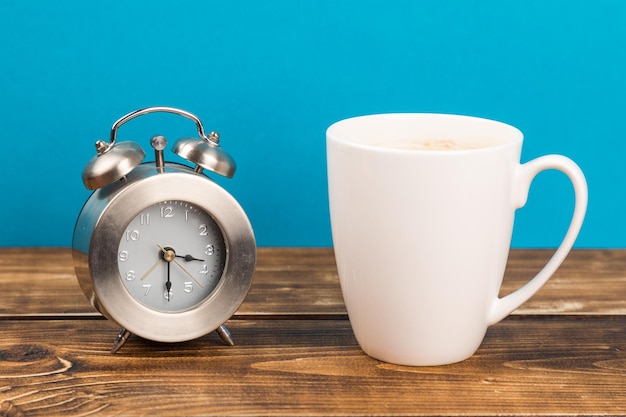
x: 562, y: 353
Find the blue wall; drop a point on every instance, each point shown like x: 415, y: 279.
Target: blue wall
x: 271, y: 75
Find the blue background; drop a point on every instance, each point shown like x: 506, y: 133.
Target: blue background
x: 272, y: 75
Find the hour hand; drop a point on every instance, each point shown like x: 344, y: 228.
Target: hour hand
x: 189, y: 258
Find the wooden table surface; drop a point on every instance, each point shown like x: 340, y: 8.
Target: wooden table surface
x: 562, y: 353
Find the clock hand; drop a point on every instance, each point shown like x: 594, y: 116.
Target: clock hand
x: 163, y: 250
x: 169, y: 255
x: 188, y: 258
x: 168, y: 283
x: 187, y: 272
x: 151, y: 269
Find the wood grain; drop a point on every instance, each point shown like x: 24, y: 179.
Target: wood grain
x: 40, y: 282
x: 562, y: 353
x: 588, y: 282
x: 310, y: 367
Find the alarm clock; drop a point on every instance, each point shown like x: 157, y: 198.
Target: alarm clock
x: 160, y: 248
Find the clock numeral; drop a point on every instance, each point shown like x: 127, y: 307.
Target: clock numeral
x: 167, y: 211
x: 188, y: 286
x: 123, y: 256
x: 167, y: 295
x: 144, y: 219
x: 132, y: 235
x: 147, y: 288
x: 130, y: 275
x: 204, y: 270
x: 203, y: 230
x: 209, y: 250
x: 186, y: 215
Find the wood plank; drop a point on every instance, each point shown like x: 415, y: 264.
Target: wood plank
x: 588, y: 282
x: 40, y: 282
x: 527, y: 365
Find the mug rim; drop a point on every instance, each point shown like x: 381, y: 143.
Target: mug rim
x: 512, y: 135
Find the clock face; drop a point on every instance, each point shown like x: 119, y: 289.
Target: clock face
x: 171, y: 256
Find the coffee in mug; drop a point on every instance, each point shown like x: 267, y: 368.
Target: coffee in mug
x: 422, y: 209
x: 438, y: 144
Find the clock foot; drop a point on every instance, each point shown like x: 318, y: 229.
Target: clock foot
x: 225, y: 335
x: 121, y: 338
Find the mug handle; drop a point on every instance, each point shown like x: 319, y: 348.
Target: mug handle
x: 504, y: 306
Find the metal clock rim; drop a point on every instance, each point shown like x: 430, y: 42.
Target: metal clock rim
x: 223, y: 301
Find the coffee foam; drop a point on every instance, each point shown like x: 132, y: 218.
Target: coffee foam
x: 439, y: 144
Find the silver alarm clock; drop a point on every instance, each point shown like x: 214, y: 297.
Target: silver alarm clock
x: 159, y: 247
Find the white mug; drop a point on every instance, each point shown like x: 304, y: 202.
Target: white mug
x: 422, y: 209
